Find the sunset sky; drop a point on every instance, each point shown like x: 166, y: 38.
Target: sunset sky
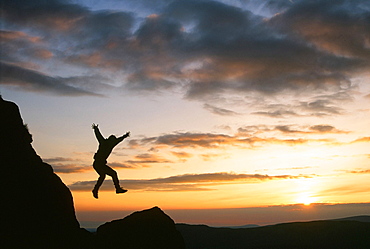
x: 240, y: 111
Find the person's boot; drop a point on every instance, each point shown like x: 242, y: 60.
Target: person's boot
x: 120, y: 190
x: 95, y: 193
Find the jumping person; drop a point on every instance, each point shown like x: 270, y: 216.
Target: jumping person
x: 106, y: 146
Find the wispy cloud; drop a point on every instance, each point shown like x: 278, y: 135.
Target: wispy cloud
x: 182, y: 155
x: 219, y: 111
x: 296, y: 168
x: 58, y: 159
x: 38, y: 82
x: 242, y: 139
x: 315, y: 129
x: 289, y: 129
x: 361, y: 171
x: 318, y: 106
x: 278, y: 113
x: 70, y: 168
x: 64, y: 165
x: 345, y: 189
x: 362, y: 140
x: 188, y: 182
x: 124, y: 165
x: 146, y: 158
x: 212, y: 156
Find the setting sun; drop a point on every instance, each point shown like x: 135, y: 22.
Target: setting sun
x: 306, y: 199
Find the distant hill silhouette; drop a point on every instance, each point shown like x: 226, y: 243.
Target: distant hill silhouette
x: 238, y: 227
x: 361, y: 218
x: 37, y: 208
x: 314, y: 234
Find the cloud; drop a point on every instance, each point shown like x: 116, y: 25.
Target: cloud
x: 281, y: 113
x: 206, y: 49
x: 315, y: 129
x: 147, y: 158
x: 64, y: 165
x: 362, y: 140
x: 289, y: 129
x: 18, y: 44
x: 187, y: 182
x: 245, y: 54
x: 316, y: 105
x: 12, y: 36
x: 70, y: 168
x: 365, y: 171
x: 219, y: 111
x: 217, y: 141
x: 250, y: 130
x: 296, y: 168
x: 182, y: 140
x: 325, y: 24
x: 323, y: 129
x: 321, y: 107
x: 211, y: 156
x: 31, y: 80
x: 56, y: 14
x: 58, y: 159
x: 347, y: 189
x: 182, y: 155
x: 125, y: 165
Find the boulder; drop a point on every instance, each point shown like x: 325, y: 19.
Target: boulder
x: 148, y: 229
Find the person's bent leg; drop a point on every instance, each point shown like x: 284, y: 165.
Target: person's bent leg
x: 100, y: 181
x: 112, y: 173
x: 97, y: 185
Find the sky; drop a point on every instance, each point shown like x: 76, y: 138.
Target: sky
x: 240, y: 111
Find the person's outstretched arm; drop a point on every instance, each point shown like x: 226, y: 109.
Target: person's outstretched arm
x: 120, y: 139
x: 98, y: 135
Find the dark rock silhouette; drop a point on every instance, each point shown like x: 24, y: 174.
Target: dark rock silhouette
x: 37, y: 208
x: 148, y: 229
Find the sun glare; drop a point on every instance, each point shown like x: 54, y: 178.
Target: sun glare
x: 306, y: 199
x: 306, y: 191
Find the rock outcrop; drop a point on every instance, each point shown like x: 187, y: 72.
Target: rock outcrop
x: 37, y: 208
x: 148, y: 229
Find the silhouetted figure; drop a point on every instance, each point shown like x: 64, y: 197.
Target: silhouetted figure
x: 106, y: 146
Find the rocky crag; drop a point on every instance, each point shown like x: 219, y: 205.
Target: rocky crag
x: 37, y: 209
